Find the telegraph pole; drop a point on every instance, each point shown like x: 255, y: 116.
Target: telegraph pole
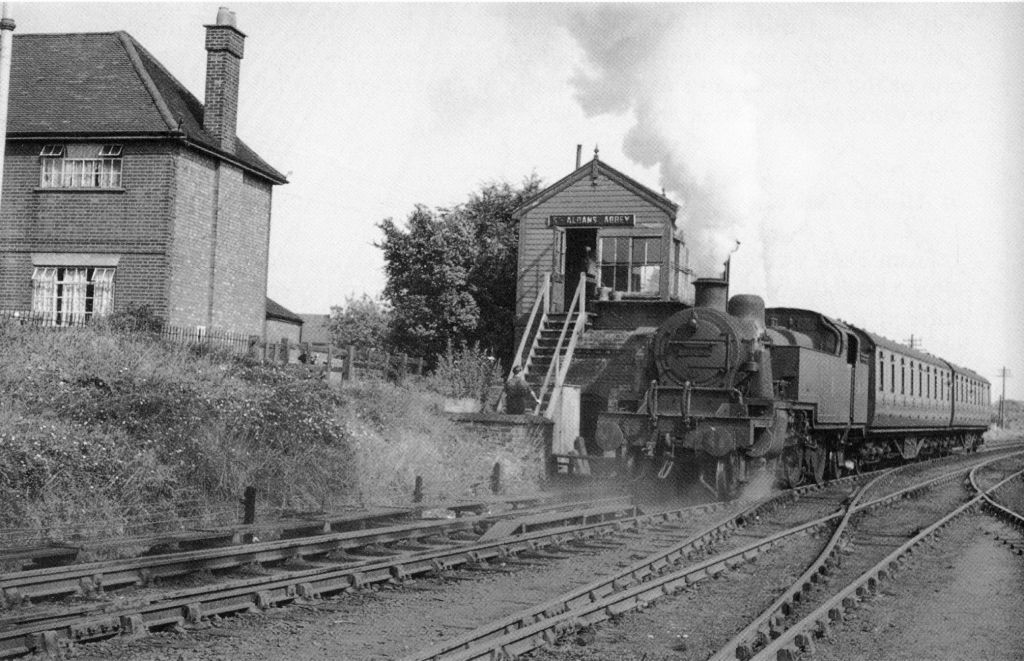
x: 1003, y: 374
x: 913, y: 342
x: 6, y: 41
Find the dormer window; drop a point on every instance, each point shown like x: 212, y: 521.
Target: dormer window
x: 80, y: 165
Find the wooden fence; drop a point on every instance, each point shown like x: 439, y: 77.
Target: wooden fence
x: 337, y: 363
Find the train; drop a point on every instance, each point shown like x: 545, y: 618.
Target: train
x: 732, y: 392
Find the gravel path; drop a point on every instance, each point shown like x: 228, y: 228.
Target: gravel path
x: 380, y: 624
x: 960, y: 600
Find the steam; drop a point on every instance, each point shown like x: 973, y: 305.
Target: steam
x: 694, y: 91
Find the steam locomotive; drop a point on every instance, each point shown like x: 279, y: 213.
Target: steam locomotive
x: 734, y: 391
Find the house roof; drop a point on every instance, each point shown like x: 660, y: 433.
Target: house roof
x: 277, y: 311
x: 594, y: 168
x: 107, y: 84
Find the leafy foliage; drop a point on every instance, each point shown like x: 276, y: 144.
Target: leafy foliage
x: 361, y: 322
x: 465, y: 372
x: 101, y: 429
x: 451, y: 273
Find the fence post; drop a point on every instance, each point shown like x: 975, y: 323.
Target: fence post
x: 284, y: 351
x: 417, y: 491
x: 249, y: 503
x: 327, y: 363
x: 386, y: 367
x: 419, y: 366
x: 254, y: 346
x: 350, y: 358
x: 496, y: 478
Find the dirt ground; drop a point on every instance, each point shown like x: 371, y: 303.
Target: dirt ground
x: 381, y: 624
x: 961, y: 600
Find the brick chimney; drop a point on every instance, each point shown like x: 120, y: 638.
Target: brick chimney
x: 224, y: 48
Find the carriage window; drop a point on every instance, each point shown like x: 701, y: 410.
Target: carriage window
x: 881, y: 372
x: 892, y: 373
x: 903, y: 376
x: 911, y: 378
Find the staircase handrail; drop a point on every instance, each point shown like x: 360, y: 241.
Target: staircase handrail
x: 542, y: 298
x: 577, y: 331
x: 578, y: 299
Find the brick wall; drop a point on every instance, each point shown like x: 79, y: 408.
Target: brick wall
x: 176, y: 212
x: 243, y: 235
x: 527, y: 431
x: 520, y: 443
x: 132, y: 222
x: 192, y: 242
x: 278, y: 328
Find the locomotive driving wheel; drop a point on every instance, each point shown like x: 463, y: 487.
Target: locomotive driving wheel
x: 791, y: 466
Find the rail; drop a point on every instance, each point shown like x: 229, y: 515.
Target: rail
x: 559, y: 368
x: 542, y: 304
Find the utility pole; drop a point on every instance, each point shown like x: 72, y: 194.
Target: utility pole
x: 6, y: 42
x: 913, y: 342
x: 1003, y: 374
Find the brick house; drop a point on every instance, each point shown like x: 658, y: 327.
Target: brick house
x: 120, y: 188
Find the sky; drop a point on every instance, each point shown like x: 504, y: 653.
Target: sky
x: 868, y: 158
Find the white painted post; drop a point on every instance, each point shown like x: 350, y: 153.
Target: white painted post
x: 6, y: 42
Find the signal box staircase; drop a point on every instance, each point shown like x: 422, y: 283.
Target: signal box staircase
x: 552, y: 341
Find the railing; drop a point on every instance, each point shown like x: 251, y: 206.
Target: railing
x: 559, y: 368
x: 542, y: 304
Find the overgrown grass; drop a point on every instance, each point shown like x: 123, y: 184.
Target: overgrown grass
x: 102, y: 430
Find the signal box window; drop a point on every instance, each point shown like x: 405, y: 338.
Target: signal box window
x: 631, y: 264
x: 80, y: 166
x: 69, y: 295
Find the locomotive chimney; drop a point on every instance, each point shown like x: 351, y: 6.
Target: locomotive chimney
x: 710, y: 293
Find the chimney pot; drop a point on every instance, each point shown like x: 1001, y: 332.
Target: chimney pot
x: 226, y: 17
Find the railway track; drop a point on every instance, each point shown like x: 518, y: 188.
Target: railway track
x: 670, y: 539
x: 412, y: 550
x: 798, y: 639
x: 636, y: 587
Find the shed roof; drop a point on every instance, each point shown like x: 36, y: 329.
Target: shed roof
x: 594, y: 168
x: 107, y: 84
x: 277, y: 311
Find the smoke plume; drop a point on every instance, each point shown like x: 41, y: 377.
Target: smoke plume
x: 694, y: 91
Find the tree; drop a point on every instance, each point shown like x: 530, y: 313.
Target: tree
x: 362, y: 321
x: 451, y: 273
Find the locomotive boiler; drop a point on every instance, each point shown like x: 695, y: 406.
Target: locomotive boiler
x: 735, y: 391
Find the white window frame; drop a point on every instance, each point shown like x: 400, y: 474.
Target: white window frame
x: 72, y: 295
x: 58, y: 169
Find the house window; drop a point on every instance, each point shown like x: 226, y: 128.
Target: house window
x: 631, y: 264
x: 69, y: 295
x: 80, y: 166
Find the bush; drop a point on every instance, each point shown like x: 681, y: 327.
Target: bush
x: 104, y: 430
x: 466, y: 372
